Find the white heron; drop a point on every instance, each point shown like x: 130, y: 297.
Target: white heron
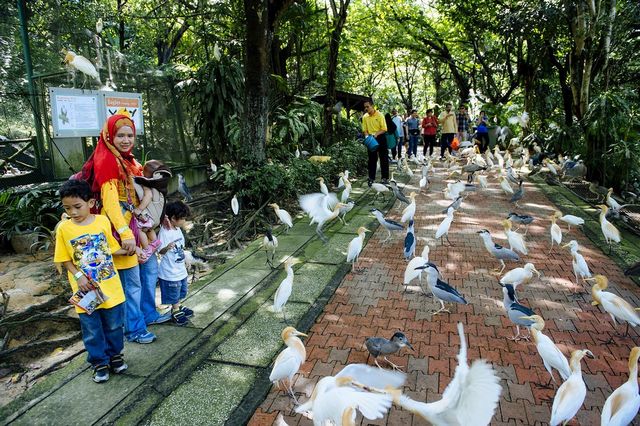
x: 235, y: 206
x: 410, y: 210
x: 570, y: 219
x: 571, y: 394
x: 580, y: 267
x: 355, y: 247
x: 410, y: 272
x: 555, y: 231
x: 283, y: 215
x: 284, y: 289
x: 516, y: 240
x: 518, y: 276
x: 551, y: 356
x: 623, y: 404
x: 609, y: 231
x: 614, y: 305
x: 443, y: 228
x: 289, y: 360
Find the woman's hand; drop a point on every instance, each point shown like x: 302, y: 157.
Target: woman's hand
x: 129, y: 245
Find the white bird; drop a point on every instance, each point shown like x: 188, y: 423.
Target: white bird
x: 410, y: 273
x: 297, y: 153
x: 443, y: 228
x: 518, y: 276
x: 315, y: 206
x: 580, y: 267
x: 570, y: 219
x: 611, y: 202
x: 379, y: 188
x: 214, y: 168
x: 516, y: 240
x: 343, y: 175
x: 337, y: 399
x: 423, y: 182
x: 470, y: 399
x: 609, y: 231
x: 344, y: 197
x: 282, y: 215
x: 548, y: 351
x: 614, y: 305
x: 289, y: 360
x: 235, y: 206
x: 355, y: 247
x: 553, y: 168
x: 270, y: 244
x: 506, y: 186
x: 522, y: 120
x: 284, y: 289
x: 556, y: 232
x: 482, y: 180
x: 455, y: 189
x: 623, y: 404
x: 410, y: 210
x: 571, y: 394
x: 82, y: 64
x: 346, y: 208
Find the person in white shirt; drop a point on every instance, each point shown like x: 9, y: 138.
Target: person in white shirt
x: 172, y: 273
x: 397, y: 120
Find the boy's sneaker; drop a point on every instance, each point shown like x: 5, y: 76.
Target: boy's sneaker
x: 117, y: 364
x: 101, y: 373
x: 180, y: 318
x: 144, y: 338
x: 186, y: 311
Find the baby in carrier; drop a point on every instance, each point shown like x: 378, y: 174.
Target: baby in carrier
x: 151, y: 189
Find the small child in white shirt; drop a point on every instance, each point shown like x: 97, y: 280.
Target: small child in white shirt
x: 172, y: 272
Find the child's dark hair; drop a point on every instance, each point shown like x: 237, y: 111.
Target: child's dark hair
x: 177, y: 210
x: 76, y: 188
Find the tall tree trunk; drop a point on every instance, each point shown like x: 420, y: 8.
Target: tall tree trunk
x: 121, y: 34
x: 339, y: 19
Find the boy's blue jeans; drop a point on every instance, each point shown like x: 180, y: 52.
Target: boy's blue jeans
x: 103, y: 334
x: 134, y: 324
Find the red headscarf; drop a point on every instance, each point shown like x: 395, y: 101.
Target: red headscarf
x: 107, y: 163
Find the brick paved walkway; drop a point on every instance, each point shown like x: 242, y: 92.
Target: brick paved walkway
x: 373, y: 303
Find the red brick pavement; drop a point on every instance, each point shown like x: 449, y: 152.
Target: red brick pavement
x: 373, y: 303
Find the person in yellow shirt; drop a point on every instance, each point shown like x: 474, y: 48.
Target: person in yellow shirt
x: 447, y: 119
x: 373, y: 123
x: 86, y: 248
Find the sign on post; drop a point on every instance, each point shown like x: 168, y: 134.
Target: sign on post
x: 132, y: 102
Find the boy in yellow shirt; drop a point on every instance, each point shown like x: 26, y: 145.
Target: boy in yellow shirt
x: 86, y: 246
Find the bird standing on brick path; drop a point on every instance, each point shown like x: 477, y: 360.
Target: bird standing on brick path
x: 516, y: 312
x: 380, y: 346
x: 411, y: 273
x: 397, y: 192
x: 387, y: 224
x: 518, y: 194
x: 518, y: 276
x: 410, y: 210
x: 623, y: 404
x: 482, y: 181
x: 548, y: 351
x: 613, y: 304
x: 555, y: 231
x: 521, y: 219
x: 349, y: 387
x: 440, y: 289
x: 355, y: 247
x: 455, y: 204
x: 283, y: 215
x: 496, y: 250
x: 506, y: 186
x: 409, y: 242
x: 516, y: 241
x: 289, y: 360
x: 571, y: 394
x: 284, y: 289
x: 609, y: 231
x: 471, y: 397
x: 570, y: 219
x: 443, y: 228
x: 270, y: 244
x: 580, y: 267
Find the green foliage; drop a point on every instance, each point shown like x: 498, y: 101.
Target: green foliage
x: 33, y: 211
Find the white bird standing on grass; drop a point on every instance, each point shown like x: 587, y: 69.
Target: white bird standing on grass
x: 570, y: 219
x: 289, y: 360
x: 614, y: 305
x: 609, y: 231
x: 235, y: 206
x: 548, y: 351
x: 410, y: 210
x: 283, y: 215
x: 571, y: 394
x: 270, y: 244
x: 284, y: 289
x: 470, y: 399
x: 623, y: 404
x: 344, y: 197
x: 516, y: 241
x: 355, y: 247
x: 443, y: 228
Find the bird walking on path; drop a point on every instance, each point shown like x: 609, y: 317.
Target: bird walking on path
x: 410, y: 210
x: 580, y: 267
x: 283, y: 215
x: 411, y: 272
x: 284, y: 289
x: 518, y: 276
x: 344, y: 197
x: 506, y: 186
x: 183, y: 188
x: 440, y: 289
x: 289, y: 361
x: 570, y: 219
x: 516, y: 312
x: 518, y: 194
x: 516, y: 241
x: 523, y: 219
x: 387, y: 224
x: 555, y: 231
x: 623, y: 404
x: 496, y: 250
x: 315, y: 205
x: 614, y: 305
x: 571, y: 393
x: 270, y: 244
x: 379, y: 188
x: 551, y: 356
x: 470, y: 399
x: 380, y: 346
x: 346, y: 208
x: 409, y: 242
x: 609, y: 231
x: 355, y: 247
x: 397, y: 192
x: 443, y: 228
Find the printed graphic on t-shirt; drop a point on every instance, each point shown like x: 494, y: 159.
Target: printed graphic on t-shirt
x: 91, y: 254
x: 178, y: 251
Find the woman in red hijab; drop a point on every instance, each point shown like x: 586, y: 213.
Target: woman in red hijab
x: 111, y: 169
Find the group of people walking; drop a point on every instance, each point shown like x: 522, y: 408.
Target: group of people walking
x: 392, y: 132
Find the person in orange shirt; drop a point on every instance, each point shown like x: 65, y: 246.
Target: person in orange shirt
x: 373, y: 123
